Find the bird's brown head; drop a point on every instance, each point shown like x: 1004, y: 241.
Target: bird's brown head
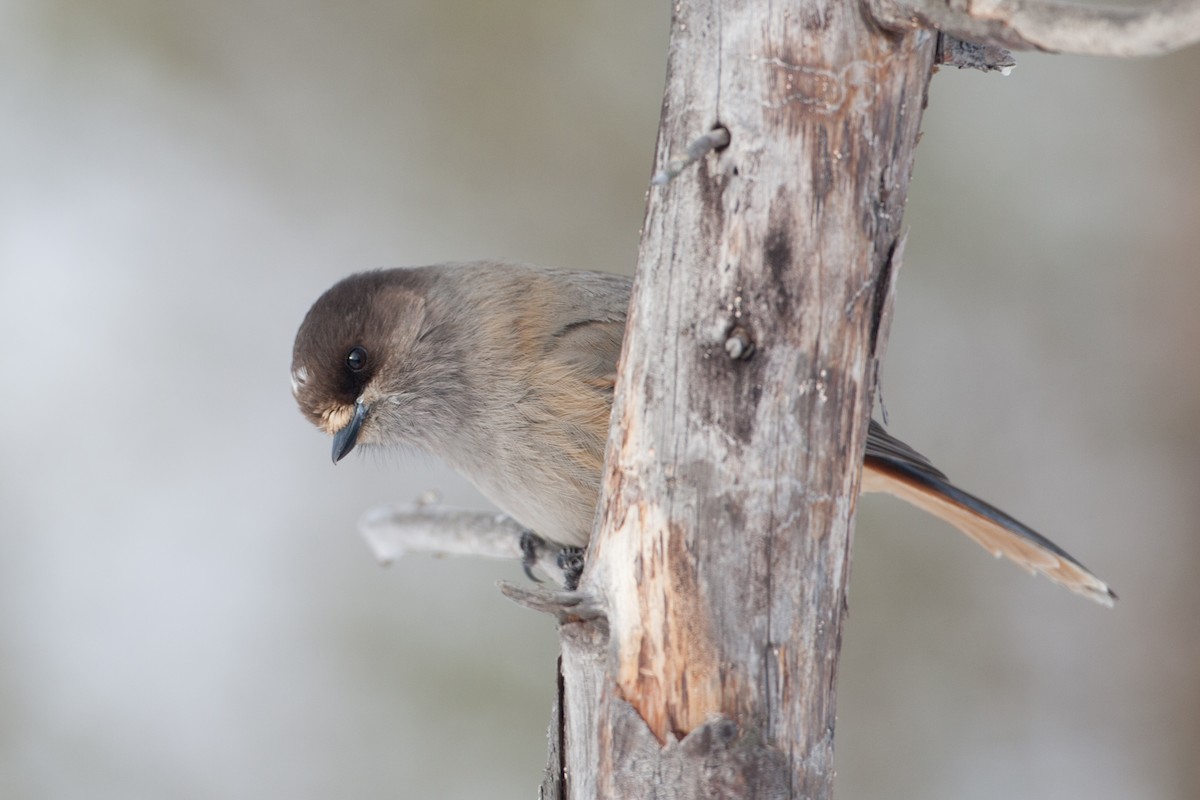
x: 354, y: 344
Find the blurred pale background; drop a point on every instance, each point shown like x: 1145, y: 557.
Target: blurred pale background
x: 186, y: 610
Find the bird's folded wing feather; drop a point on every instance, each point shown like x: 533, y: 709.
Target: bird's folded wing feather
x: 893, y: 467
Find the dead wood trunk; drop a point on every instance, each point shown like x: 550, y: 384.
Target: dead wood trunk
x: 722, y: 555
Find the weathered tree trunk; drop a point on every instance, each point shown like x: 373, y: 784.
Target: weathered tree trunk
x: 722, y: 556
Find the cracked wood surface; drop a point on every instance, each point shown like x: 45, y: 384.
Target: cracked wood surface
x: 723, y: 549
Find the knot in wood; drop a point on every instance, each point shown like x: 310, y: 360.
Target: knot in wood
x: 739, y: 345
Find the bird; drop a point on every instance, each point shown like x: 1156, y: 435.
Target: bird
x: 506, y: 372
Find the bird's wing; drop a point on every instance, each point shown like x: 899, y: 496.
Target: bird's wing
x: 893, y: 467
x: 588, y: 328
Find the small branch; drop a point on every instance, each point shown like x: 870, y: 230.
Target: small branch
x: 425, y: 528
x: 1053, y: 27
x: 713, y: 140
x: 564, y: 605
x: 955, y: 52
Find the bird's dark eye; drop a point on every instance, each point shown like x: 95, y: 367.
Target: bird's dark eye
x: 356, y: 359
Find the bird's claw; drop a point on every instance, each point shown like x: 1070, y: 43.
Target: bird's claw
x: 531, y: 544
x: 570, y: 561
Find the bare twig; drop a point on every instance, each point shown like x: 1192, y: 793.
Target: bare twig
x: 424, y: 528
x: 562, y: 604
x: 954, y: 52
x: 1054, y: 27
x: 713, y: 140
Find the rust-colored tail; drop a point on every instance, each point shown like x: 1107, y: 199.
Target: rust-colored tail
x: 893, y: 467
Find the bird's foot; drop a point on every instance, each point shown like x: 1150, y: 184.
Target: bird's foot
x: 531, y: 546
x: 570, y: 561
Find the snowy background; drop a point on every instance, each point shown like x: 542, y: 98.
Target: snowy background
x: 186, y: 610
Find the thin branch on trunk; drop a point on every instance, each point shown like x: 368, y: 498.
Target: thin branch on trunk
x: 1051, y: 26
x: 426, y: 528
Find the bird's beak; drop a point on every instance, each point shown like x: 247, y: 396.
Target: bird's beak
x: 344, y: 440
